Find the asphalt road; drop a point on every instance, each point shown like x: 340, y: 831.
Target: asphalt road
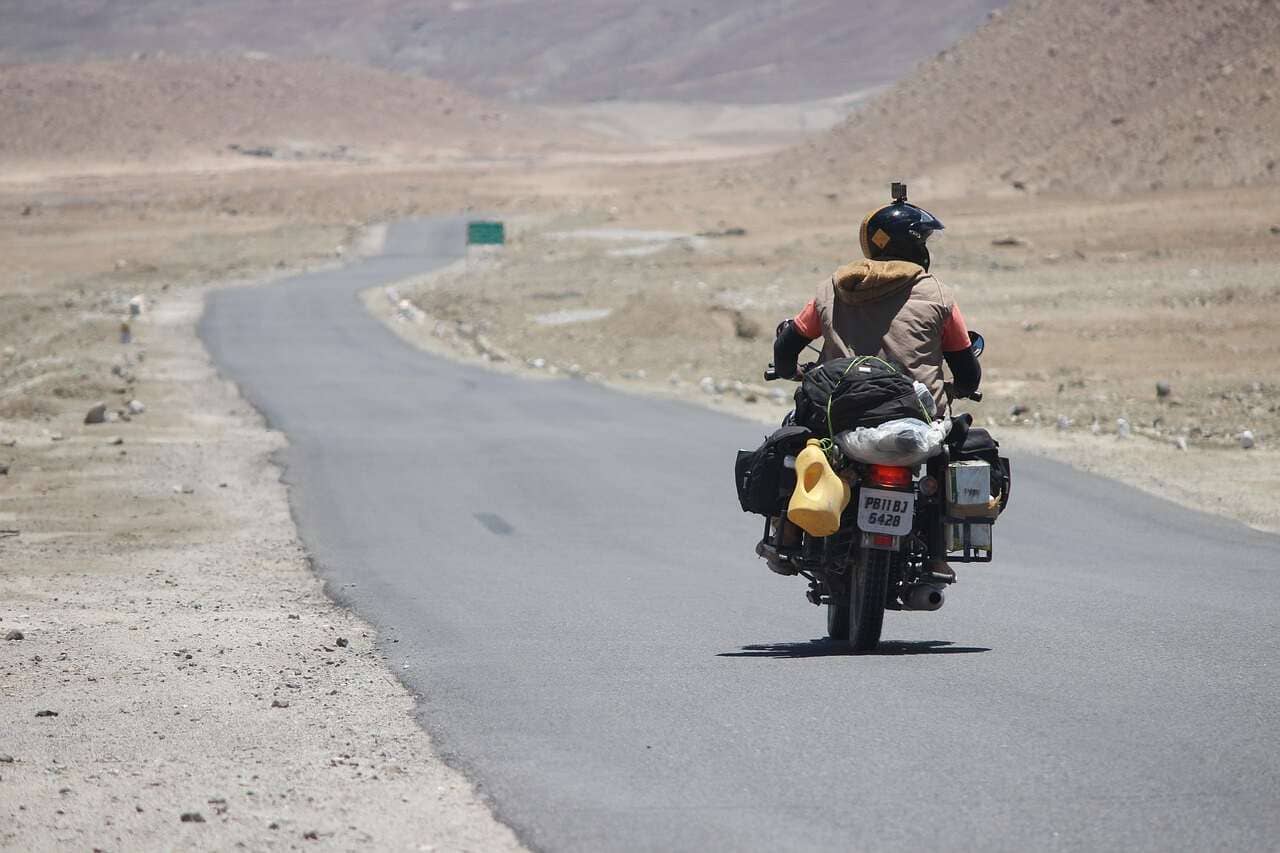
x: 563, y: 575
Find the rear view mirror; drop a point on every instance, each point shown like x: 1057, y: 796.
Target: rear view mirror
x: 977, y: 344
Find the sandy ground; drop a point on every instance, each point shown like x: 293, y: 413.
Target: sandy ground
x: 169, y: 617
x: 179, y: 658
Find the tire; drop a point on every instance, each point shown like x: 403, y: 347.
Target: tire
x: 838, y: 620
x: 859, y: 618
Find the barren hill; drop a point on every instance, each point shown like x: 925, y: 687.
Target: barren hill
x: 549, y: 50
x: 1090, y: 95
x: 157, y: 110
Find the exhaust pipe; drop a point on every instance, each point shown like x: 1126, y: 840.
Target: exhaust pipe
x: 924, y: 596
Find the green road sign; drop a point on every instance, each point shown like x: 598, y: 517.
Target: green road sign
x: 486, y: 234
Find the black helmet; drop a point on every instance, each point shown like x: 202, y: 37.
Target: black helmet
x: 899, y: 231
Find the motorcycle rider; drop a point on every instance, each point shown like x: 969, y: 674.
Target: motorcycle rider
x: 889, y: 304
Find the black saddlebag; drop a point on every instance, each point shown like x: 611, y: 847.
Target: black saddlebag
x: 974, y: 443
x: 764, y: 482
x: 855, y: 392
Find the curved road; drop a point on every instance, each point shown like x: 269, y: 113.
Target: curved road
x: 563, y: 575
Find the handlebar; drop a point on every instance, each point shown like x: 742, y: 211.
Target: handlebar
x: 771, y: 373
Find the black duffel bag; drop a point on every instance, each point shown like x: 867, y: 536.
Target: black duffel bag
x: 764, y: 482
x: 848, y: 393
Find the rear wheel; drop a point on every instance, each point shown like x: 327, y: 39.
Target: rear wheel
x: 858, y: 616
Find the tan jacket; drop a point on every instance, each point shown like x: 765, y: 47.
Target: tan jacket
x: 893, y: 309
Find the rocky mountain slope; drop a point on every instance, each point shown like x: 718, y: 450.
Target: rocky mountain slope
x: 1079, y: 95
x: 551, y: 50
x: 154, y: 110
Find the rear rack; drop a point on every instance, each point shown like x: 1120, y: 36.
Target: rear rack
x: 973, y: 535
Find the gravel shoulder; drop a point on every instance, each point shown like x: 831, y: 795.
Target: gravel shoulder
x: 182, y: 680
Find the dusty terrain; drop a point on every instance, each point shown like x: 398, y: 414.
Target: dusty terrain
x: 181, y: 677
x: 1078, y: 97
x: 552, y: 50
x: 204, y: 692
x: 178, y: 113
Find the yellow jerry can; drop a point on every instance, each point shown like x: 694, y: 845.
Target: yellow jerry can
x: 820, y: 497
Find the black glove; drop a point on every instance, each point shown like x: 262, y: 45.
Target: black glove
x: 787, y: 346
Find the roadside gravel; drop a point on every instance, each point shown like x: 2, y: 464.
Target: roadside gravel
x: 182, y: 681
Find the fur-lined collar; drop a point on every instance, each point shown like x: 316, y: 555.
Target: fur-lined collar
x: 867, y: 281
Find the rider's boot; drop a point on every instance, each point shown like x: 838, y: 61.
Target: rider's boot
x: 775, y: 563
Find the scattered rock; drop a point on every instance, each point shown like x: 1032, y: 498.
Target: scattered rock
x: 1180, y: 442
x: 537, y: 363
x: 191, y: 817
x: 184, y: 490
x: 136, y: 305
x: 1163, y: 390
x: 6, y: 758
x: 341, y: 642
x: 97, y: 414
x: 1064, y: 422
x: 745, y: 327
x: 279, y: 703
x: 4, y: 469
x: 264, y: 151
x: 57, y: 436
x: 15, y: 634
x: 46, y: 713
x: 116, y: 442
x: 311, y: 835
x: 1123, y: 429
x: 1010, y: 241
x: 136, y: 408
x: 1275, y: 229
x: 1246, y: 439
x: 1017, y: 410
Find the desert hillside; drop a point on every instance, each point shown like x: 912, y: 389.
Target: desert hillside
x: 551, y: 50
x: 157, y: 109
x: 1079, y: 95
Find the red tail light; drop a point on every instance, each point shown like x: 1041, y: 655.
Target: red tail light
x: 890, y: 477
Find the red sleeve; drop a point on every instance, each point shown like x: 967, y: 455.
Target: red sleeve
x: 955, y: 334
x: 809, y: 324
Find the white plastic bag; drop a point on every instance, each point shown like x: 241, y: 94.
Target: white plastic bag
x: 906, y: 442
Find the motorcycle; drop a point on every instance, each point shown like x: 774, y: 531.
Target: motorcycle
x: 898, y: 517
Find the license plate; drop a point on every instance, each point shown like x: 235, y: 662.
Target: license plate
x: 882, y: 511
